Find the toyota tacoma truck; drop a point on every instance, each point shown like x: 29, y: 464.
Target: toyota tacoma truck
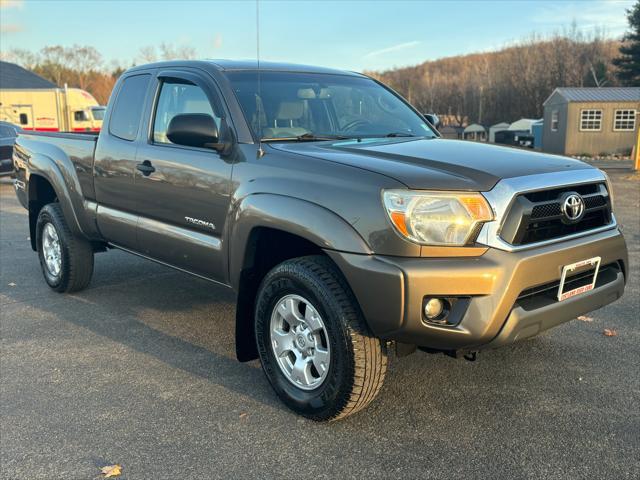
x: 345, y: 225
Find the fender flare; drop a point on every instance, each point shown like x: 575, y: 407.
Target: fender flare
x: 65, y: 185
x: 304, y: 219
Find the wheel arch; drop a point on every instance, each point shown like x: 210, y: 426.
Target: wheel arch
x: 44, y: 189
x: 46, y: 175
x: 268, y: 230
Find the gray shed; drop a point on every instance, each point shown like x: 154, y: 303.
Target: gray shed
x: 498, y: 127
x: 591, y: 121
x: 476, y: 132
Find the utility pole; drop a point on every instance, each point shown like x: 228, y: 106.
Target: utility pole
x: 480, y: 104
x: 635, y: 152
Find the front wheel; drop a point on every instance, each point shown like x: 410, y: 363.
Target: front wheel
x: 314, y: 345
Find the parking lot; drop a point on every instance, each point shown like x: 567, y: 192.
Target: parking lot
x: 140, y: 370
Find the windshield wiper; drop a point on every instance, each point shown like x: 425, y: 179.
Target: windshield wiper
x: 399, y: 134
x: 306, y: 137
x: 389, y: 135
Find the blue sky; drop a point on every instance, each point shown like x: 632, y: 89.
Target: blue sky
x: 355, y: 35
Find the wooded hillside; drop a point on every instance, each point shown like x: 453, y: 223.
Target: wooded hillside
x: 508, y: 84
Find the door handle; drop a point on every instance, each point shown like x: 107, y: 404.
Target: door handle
x: 146, y: 168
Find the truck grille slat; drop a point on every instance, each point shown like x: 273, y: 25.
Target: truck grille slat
x: 537, y: 216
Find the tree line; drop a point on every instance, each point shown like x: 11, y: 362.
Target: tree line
x: 508, y: 84
x: 84, y: 67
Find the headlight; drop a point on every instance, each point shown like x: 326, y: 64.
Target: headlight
x: 436, y: 218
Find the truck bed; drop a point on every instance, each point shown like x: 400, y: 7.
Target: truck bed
x: 63, y: 148
x: 72, y: 135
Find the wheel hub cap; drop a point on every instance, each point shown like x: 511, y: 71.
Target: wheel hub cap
x: 51, y: 250
x: 300, y: 342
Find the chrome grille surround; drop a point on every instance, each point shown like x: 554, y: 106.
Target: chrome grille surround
x: 504, y: 193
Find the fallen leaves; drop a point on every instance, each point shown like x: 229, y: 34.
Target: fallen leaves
x: 244, y: 415
x: 585, y: 318
x: 111, y: 470
x: 607, y: 332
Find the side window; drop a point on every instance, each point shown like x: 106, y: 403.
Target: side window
x: 177, y: 98
x: 80, y: 116
x: 127, y: 110
x: 24, y: 119
x: 555, y: 121
x: 624, y: 121
x: 590, y: 120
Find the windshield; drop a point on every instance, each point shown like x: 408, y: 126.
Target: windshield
x: 308, y: 105
x: 98, y: 113
x: 7, y: 132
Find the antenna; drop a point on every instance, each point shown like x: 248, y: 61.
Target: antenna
x: 259, y: 99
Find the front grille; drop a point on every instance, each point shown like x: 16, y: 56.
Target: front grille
x: 548, y: 210
x: 541, y: 295
x: 5, y: 152
x: 537, y: 216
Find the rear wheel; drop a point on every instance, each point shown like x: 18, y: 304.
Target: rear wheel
x: 66, y: 260
x: 314, y: 345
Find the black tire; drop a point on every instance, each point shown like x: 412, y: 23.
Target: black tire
x: 358, y: 361
x: 76, y: 253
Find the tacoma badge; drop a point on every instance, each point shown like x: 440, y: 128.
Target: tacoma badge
x: 200, y: 223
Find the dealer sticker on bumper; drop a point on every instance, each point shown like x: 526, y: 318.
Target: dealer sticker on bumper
x: 576, y: 268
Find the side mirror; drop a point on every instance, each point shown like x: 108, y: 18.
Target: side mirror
x: 433, y: 119
x: 194, y: 130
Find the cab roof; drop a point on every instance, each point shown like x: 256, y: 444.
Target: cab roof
x: 246, y: 65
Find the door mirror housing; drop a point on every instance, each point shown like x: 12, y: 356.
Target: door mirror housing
x: 194, y: 130
x: 433, y: 119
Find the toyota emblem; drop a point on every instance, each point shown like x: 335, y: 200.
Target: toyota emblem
x: 573, y: 207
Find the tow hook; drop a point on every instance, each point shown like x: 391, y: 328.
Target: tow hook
x: 470, y: 356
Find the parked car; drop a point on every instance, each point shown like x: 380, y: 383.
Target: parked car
x: 8, y: 134
x: 345, y: 225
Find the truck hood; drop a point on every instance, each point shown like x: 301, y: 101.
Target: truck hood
x: 435, y: 164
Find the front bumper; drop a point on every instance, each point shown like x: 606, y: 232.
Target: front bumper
x: 390, y: 291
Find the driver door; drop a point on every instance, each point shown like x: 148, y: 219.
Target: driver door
x: 182, y: 192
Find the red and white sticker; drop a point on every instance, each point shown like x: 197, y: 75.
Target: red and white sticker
x: 591, y: 262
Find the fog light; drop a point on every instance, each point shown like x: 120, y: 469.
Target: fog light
x: 433, y: 308
x: 444, y: 311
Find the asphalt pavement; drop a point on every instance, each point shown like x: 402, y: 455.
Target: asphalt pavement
x: 139, y: 370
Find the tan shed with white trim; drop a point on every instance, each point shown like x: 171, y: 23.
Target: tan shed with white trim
x: 591, y: 121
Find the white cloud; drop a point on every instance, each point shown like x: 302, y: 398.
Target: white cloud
x: 394, y: 48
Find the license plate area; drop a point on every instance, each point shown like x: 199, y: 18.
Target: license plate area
x: 576, y: 278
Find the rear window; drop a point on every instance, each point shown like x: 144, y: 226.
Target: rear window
x: 127, y: 110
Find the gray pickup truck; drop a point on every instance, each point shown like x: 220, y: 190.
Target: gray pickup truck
x: 345, y: 225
